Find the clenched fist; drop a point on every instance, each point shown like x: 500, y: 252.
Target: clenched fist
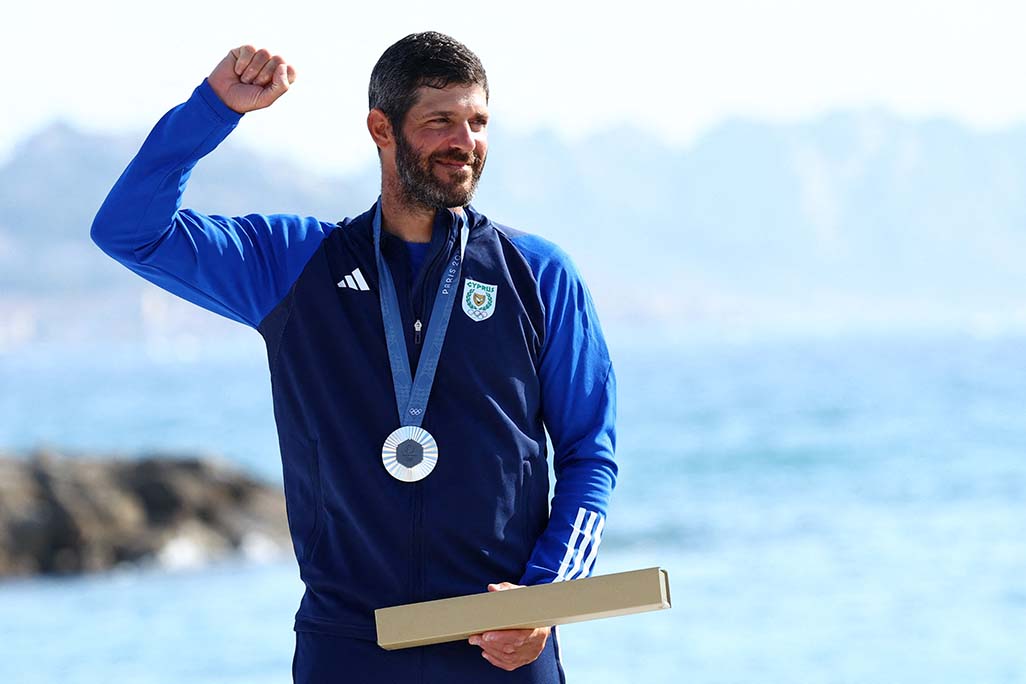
x: 248, y: 79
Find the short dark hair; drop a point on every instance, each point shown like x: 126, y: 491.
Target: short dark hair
x: 421, y: 59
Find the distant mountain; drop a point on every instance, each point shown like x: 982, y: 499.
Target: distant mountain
x: 853, y: 209
x: 56, y: 180
x: 853, y: 217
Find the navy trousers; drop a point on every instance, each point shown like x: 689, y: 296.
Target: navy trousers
x: 328, y: 659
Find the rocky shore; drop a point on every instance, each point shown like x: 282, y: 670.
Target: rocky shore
x: 63, y: 514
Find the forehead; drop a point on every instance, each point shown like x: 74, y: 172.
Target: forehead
x: 453, y: 97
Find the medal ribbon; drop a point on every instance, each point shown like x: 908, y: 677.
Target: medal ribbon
x: 411, y: 394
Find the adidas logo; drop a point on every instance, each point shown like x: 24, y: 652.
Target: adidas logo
x: 354, y: 281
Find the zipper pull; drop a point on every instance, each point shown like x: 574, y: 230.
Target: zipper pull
x: 416, y: 331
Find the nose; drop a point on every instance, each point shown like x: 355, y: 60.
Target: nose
x: 463, y: 138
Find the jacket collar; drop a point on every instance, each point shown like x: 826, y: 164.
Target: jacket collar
x: 444, y: 226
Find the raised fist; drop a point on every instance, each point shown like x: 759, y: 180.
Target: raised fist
x: 248, y: 79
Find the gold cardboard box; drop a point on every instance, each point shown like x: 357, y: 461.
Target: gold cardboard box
x: 452, y: 619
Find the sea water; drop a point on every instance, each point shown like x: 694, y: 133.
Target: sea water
x: 829, y: 509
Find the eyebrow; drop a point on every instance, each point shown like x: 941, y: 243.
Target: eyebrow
x: 449, y: 112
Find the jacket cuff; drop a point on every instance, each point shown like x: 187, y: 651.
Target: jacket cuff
x: 223, y: 112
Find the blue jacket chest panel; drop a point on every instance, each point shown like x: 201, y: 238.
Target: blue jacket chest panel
x: 358, y: 532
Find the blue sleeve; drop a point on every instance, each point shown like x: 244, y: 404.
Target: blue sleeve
x: 579, y: 409
x: 238, y: 267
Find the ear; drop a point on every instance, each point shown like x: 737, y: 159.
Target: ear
x: 380, y: 129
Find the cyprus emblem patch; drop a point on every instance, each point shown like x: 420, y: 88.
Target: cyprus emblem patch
x: 478, y: 299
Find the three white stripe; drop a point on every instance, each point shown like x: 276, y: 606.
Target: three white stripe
x: 578, y: 559
x: 354, y: 281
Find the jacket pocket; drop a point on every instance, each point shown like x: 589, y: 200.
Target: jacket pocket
x: 525, y: 508
x: 304, y: 502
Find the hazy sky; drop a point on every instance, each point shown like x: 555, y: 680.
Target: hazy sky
x: 119, y: 65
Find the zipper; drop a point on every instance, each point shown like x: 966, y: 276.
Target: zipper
x: 417, y: 528
x: 420, y: 284
x: 418, y: 542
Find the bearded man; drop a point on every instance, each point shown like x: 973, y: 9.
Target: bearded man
x: 418, y: 354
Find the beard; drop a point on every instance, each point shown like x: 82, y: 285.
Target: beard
x: 420, y: 186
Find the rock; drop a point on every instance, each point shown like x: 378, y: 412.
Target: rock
x: 61, y: 515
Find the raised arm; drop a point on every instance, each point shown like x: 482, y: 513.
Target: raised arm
x: 238, y: 267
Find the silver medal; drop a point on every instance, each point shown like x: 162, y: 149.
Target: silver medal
x: 409, y: 453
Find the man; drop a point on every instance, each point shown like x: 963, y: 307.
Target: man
x: 418, y: 353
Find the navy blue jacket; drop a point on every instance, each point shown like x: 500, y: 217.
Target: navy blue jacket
x: 528, y: 360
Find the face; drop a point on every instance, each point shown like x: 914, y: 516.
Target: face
x: 441, y: 149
